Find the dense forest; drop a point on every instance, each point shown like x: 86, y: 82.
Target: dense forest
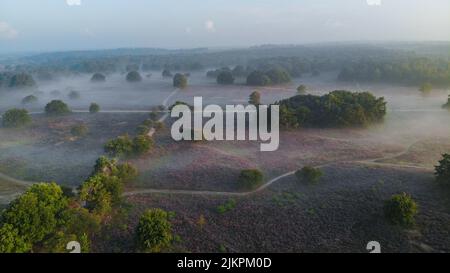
x: 337, y: 109
x: 413, y: 71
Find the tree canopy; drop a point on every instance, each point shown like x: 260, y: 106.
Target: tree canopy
x: 134, y: 76
x: 16, y: 118
x: 180, y: 81
x: 56, y: 107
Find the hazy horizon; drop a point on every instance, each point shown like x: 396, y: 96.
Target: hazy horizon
x: 62, y: 25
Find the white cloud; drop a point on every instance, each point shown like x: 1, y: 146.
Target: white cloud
x: 73, y: 2
x: 209, y: 26
x: 7, y: 32
x: 373, y: 2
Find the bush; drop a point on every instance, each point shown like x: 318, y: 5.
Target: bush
x: 94, y: 108
x: 447, y: 105
x: 142, y: 129
x: 134, y: 76
x: 16, y: 118
x: 229, y: 205
x: 56, y: 107
x: 250, y: 179
x: 426, y: 88
x: 309, y: 174
x: 400, y: 209
x: 180, y: 81
x: 79, y: 130
x: 258, y: 78
x: 442, y: 171
x: 154, y: 231
x: 29, y: 99
x: 167, y: 74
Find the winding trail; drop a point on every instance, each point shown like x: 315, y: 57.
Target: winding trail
x: 370, y: 161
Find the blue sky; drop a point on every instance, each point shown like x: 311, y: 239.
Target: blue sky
x: 45, y: 25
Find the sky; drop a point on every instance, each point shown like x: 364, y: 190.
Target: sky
x: 54, y: 25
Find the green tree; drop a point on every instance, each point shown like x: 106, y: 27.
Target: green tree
x: 225, y: 77
x: 56, y: 107
x: 94, y: 108
x: 37, y: 213
x: 120, y: 146
x: 167, y: 74
x: 401, y: 209
x: 301, y: 89
x: 258, y: 78
x: 11, y: 241
x: 255, y: 98
x: 180, y: 81
x: 142, y: 144
x: 250, y: 179
x: 16, y: 118
x: 134, y: 76
x: 21, y: 80
x: 309, y: 174
x: 154, y: 231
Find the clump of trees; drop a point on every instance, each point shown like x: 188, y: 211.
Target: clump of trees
x: 94, y: 108
x: 126, y: 146
x: 43, y: 219
x: 250, y: 179
x: 225, y: 77
x: 154, y: 231
x: 410, y: 70
x: 337, y: 109
x: 133, y: 76
x: 255, y: 98
x: 56, y: 107
x: 309, y: 174
x: 180, y: 81
x: 442, y: 171
x: 16, y: 118
x: 401, y: 209
x: 20, y: 80
x: 98, y: 77
x: 29, y: 99
x: 272, y: 76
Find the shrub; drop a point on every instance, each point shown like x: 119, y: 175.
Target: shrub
x: 309, y: 174
x: 79, y: 130
x: 29, y: 99
x: 229, y: 205
x: 16, y: 118
x: 447, y: 105
x: 11, y: 241
x: 400, y: 209
x: 166, y: 73
x: 94, y: 108
x: 180, y: 81
x: 442, y: 171
x: 119, y: 146
x: 426, y: 88
x: 134, y: 76
x: 56, y: 107
x: 154, y: 231
x: 250, y: 179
